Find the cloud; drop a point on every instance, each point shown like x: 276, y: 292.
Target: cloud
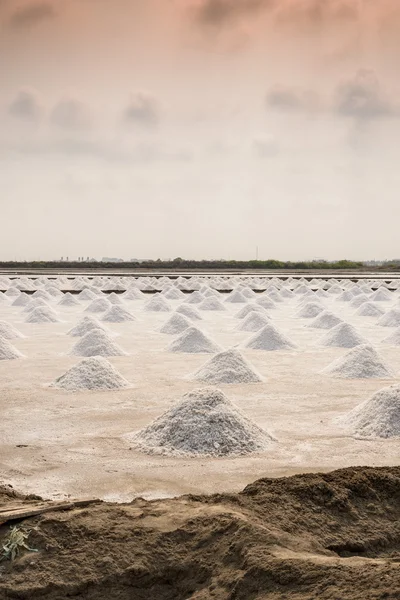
x: 142, y: 110
x: 70, y: 114
x: 31, y: 15
x: 361, y: 97
x: 291, y: 99
x: 25, y: 105
x: 219, y: 12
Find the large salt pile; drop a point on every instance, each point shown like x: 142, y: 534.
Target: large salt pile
x: 114, y: 298
x: 86, y: 295
x: 253, y: 322
x: 36, y: 303
x: 378, y: 416
x: 342, y: 336
x: 270, y: 338
x: 236, y: 297
x: 94, y: 373
x: 362, y: 362
x: 390, y: 319
x: 173, y: 294
x: 310, y: 310
x: 189, y: 312
x: 84, y: 326
x: 68, y: 300
x: 204, y: 423
x: 117, y: 314
x: 211, y: 303
x: 21, y: 300
x: 9, y: 332
x: 230, y: 367
x: 7, y: 350
x: 194, y: 298
x: 192, y: 341
x: 133, y: 294
x: 96, y: 343
x: 249, y: 308
x: 98, y: 305
x: 359, y: 300
x: 369, y: 309
x: 325, y: 320
x: 42, y: 314
x: 381, y: 295
x: 345, y: 296
x: 175, y: 324
x: 157, y: 304
x: 393, y: 339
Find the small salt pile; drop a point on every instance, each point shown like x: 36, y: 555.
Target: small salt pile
x: 192, y: 341
x: 133, y: 294
x: 98, y: 305
x: 94, y: 373
x: 41, y: 294
x: 249, y: 308
x: 381, y: 295
x: 345, y: 296
x: 321, y: 294
x: 228, y: 367
x: 9, y: 332
x: 189, y: 312
x: 7, y: 350
x: 379, y: 416
x: 325, y: 320
x: 21, y: 300
x: 362, y: 362
x: 270, y: 338
x: 173, y: 294
x: 265, y: 302
x: 310, y: 311
x: 96, y: 343
x: 211, y: 303
x: 204, y: 423
x: 68, y: 300
x: 157, y: 304
x: 236, y: 297
x: 194, y: 298
x: 359, y: 300
x: 393, y: 339
x: 368, y: 309
x: 84, y: 326
x: 342, y: 336
x: 36, y: 303
x: 114, y: 298
x: 253, y: 322
x: 42, y: 314
x: 175, y: 324
x: 86, y: 295
x: 390, y: 319
x: 117, y: 314
x: 12, y: 293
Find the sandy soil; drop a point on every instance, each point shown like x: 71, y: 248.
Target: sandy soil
x: 57, y: 444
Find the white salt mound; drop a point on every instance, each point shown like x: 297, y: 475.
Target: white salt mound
x: 42, y: 314
x: 35, y: 303
x: 310, y: 311
x: 270, y: 338
x: 9, y: 332
x: 369, y: 309
x: 133, y: 294
x: 7, y: 350
x: 379, y: 416
x: 194, y: 298
x: 21, y: 300
x: 342, y: 336
x: 84, y: 326
x: 173, y: 294
x: 243, y: 312
x: 117, y: 314
x: 362, y: 362
x: 114, y: 298
x: 211, y: 303
x: 192, y: 341
x: 393, y: 339
x: 157, y: 304
x: 236, y: 297
x: 204, y: 423
x: 265, y: 302
x: 86, y: 295
x: 253, y: 322
x: 228, y: 367
x: 68, y: 300
x: 189, y: 312
x: 175, y: 324
x: 99, y: 305
x: 94, y: 373
x: 325, y: 320
x: 390, y: 319
x: 96, y: 343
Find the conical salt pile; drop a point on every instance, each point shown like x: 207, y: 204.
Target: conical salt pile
x: 362, y: 362
x: 194, y: 298
x: 211, y: 303
x: 325, y: 320
x: 227, y: 367
x: 21, y: 300
x: 236, y: 297
x: 7, y: 350
x: 98, y: 305
x: 173, y: 294
x: 253, y: 322
x: 192, y: 341
x: 157, y: 304
x: 310, y: 311
x: 265, y: 302
x: 270, y: 338
x: 369, y: 309
x: 249, y: 308
x: 68, y: 300
x: 175, y: 324
x: 35, y: 303
x: 378, y: 416
x: 94, y: 373
x: 114, y: 298
x: 204, y: 423
x: 42, y: 314
x: 189, y: 312
x: 9, y: 332
x: 390, y: 319
x: 342, y: 336
x: 117, y: 314
x: 96, y: 343
x: 86, y: 295
x: 133, y: 294
x: 84, y: 326
x: 381, y: 295
x: 393, y: 339
x: 359, y: 300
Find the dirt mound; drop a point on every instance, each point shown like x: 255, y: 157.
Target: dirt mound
x: 378, y: 416
x: 204, y: 423
x: 193, y: 341
x: 361, y: 362
x: 227, y: 367
x: 94, y: 373
x: 278, y: 538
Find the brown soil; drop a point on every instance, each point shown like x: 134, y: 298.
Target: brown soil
x: 317, y: 536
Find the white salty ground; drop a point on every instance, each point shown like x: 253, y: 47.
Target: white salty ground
x: 57, y: 444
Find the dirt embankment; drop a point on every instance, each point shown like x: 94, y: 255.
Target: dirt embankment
x: 330, y: 536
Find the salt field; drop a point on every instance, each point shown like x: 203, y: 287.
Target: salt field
x: 118, y: 387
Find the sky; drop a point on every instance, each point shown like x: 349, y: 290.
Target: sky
x: 199, y: 129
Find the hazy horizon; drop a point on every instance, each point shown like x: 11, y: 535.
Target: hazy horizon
x: 199, y: 128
